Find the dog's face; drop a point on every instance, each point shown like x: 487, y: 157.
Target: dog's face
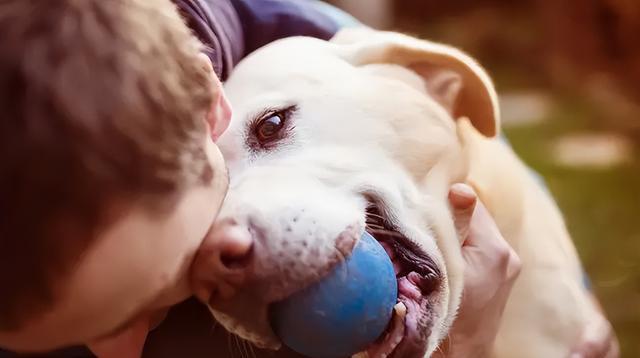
x: 332, y: 138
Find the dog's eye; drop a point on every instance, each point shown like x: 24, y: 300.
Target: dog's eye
x: 268, y: 128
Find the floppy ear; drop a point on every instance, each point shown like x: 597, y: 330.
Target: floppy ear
x: 452, y: 78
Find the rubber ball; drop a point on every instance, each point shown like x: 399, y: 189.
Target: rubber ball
x: 344, y: 312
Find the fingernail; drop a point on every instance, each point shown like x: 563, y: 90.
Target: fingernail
x: 462, y: 196
x: 576, y: 355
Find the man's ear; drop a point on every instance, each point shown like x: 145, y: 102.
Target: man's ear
x: 219, y: 115
x: 205, y: 62
x: 452, y: 78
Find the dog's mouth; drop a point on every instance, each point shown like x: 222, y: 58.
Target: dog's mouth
x: 419, y: 281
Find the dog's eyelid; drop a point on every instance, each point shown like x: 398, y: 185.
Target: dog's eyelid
x: 284, y: 113
x: 254, y: 119
x: 287, y: 110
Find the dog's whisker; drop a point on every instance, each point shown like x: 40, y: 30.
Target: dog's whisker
x: 229, y: 345
x: 245, y: 349
x: 375, y: 226
x: 374, y: 218
x: 449, y: 343
x: 236, y: 344
x: 374, y: 215
x: 386, y: 232
x: 240, y: 345
x: 342, y: 258
x: 214, y: 325
x: 340, y: 255
x: 375, y: 221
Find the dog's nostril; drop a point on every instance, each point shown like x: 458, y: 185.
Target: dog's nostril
x: 223, y: 260
x: 236, y: 247
x: 236, y: 260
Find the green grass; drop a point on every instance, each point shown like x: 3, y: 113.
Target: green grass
x: 602, y: 210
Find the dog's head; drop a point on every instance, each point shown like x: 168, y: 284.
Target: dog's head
x: 332, y: 138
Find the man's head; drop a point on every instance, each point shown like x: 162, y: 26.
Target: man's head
x: 110, y: 178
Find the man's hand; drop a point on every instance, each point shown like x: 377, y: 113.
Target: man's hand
x: 491, y: 269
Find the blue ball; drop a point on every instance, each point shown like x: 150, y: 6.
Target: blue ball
x: 344, y: 312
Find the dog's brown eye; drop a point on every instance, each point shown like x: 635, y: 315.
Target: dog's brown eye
x: 268, y: 128
x: 271, y: 129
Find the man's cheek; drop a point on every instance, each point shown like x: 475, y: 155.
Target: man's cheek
x: 127, y: 343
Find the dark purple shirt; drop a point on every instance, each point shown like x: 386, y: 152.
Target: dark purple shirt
x: 231, y: 29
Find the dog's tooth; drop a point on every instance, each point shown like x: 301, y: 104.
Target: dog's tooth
x: 401, y: 312
x: 414, y: 278
x: 400, y: 309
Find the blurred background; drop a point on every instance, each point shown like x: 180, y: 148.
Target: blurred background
x: 568, y: 73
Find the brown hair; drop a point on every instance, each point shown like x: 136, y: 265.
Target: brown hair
x: 100, y: 100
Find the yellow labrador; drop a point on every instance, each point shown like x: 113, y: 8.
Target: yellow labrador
x: 367, y: 132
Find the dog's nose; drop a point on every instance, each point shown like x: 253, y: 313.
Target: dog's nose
x: 222, y: 261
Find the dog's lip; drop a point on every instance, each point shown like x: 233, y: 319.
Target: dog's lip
x: 419, y: 279
x: 399, y: 247
x: 407, y: 337
x: 418, y: 319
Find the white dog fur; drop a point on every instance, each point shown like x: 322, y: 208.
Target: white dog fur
x: 400, y: 119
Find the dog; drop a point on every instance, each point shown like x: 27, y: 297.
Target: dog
x: 368, y: 131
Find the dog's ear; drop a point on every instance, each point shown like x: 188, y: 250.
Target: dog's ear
x: 452, y: 78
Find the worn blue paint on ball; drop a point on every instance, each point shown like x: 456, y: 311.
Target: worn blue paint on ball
x: 344, y: 312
